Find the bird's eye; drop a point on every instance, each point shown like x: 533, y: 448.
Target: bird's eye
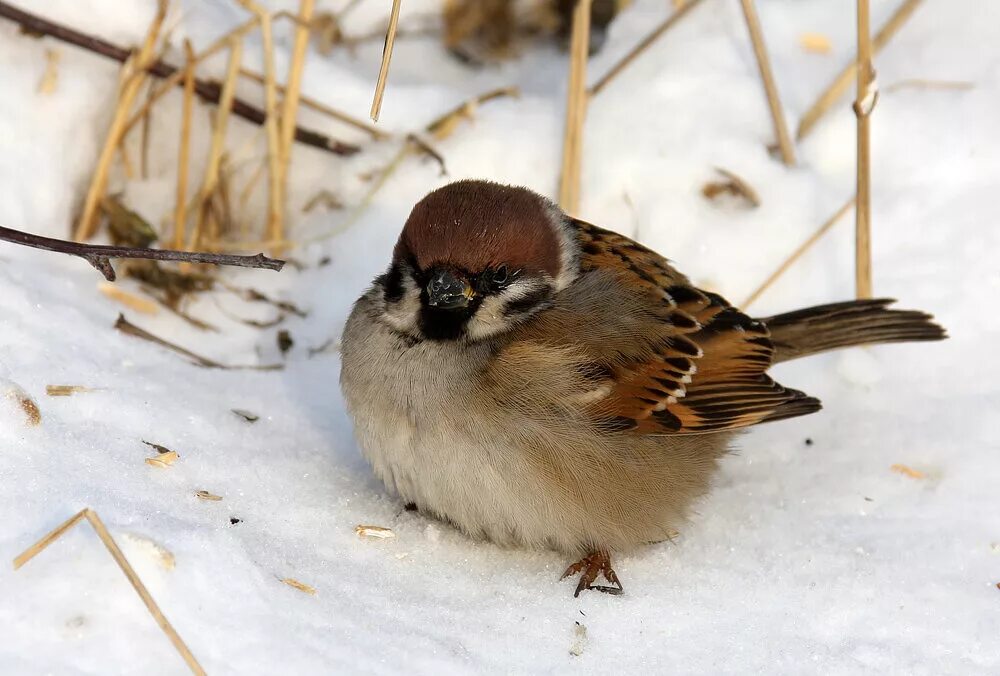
x: 500, y: 275
x: 494, y: 280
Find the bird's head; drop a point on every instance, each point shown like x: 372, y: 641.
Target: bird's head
x: 475, y: 259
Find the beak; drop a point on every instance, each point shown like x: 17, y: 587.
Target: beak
x: 446, y: 291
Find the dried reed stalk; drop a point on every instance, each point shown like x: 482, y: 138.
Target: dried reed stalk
x: 211, y: 180
x: 116, y: 553
x: 863, y: 106
x: 294, y: 83
x: 767, y: 77
x: 644, y: 44
x: 576, y: 109
x: 119, y: 127
x: 798, y: 253
x: 184, y: 149
x: 320, y: 107
x: 383, y: 72
x: 275, y: 202
x: 842, y: 82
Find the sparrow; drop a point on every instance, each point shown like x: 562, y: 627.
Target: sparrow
x: 540, y: 382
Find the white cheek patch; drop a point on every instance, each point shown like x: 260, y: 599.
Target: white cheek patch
x: 402, y: 314
x: 494, y: 314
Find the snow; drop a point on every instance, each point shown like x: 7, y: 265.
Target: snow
x: 806, y: 558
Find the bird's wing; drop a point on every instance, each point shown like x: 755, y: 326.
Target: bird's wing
x: 669, y: 358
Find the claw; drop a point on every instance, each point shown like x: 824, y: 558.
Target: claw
x: 589, y: 567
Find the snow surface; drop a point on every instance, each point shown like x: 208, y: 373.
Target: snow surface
x: 804, y: 559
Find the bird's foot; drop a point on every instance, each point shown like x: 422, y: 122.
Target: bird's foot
x: 589, y: 567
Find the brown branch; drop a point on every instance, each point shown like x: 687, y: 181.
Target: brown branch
x: 206, y: 90
x: 98, y: 254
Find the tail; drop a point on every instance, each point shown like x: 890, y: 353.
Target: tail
x: 855, y: 322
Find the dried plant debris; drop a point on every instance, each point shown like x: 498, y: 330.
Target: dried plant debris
x: 131, y: 329
x: 66, y: 390
x: 579, y: 639
x: 327, y: 199
x: 16, y: 393
x: 816, y: 43
x: 234, y: 520
x: 301, y: 586
x: 285, y: 342
x: 50, y: 78
x: 255, y: 296
x: 210, y: 497
x: 330, y: 345
x: 906, y: 470
x: 374, y: 532
x: 153, y: 549
x: 157, y: 447
x: 126, y: 227
x: 145, y: 306
x: 732, y: 186
x: 164, y: 460
x: 246, y: 415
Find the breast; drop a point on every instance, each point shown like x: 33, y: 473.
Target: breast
x: 489, y: 468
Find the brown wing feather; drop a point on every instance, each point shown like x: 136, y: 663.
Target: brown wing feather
x: 706, y: 370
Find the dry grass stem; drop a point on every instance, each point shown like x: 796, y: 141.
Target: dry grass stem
x: 116, y: 553
x: 119, y: 127
x: 65, y: 390
x: 209, y: 497
x: 374, y: 532
x: 184, y: 150
x: 275, y: 202
x: 383, y: 73
x: 322, y: 108
x: 842, y: 82
x: 816, y: 43
x: 129, y: 300
x: 211, y: 180
x: 301, y: 586
x: 906, y: 470
x: 863, y: 106
x: 679, y: 13
x: 294, y: 83
x: 733, y: 185
x: 770, y: 87
x: 50, y: 78
x: 804, y: 247
x: 576, y: 109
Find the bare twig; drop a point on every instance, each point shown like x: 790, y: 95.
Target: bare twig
x: 863, y: 106
x: 383, y: 72
x: 128, y: 328
x: 795, y: 255
x: 843, y: 81
x: 116, y: 553
x: 679, y: 13
x: 206, y: 90
x: 576, y: 109
x: 98, y: 254
x: 770, y: 88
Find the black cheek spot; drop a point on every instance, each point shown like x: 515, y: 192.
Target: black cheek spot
x: 528, y: 302
x: 392, y: 283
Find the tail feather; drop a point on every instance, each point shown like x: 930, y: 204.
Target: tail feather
x: 857, y: 322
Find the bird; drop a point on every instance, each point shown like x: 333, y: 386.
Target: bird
x: 540, y: 382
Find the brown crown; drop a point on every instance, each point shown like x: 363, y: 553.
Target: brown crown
x: 475, y: 225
